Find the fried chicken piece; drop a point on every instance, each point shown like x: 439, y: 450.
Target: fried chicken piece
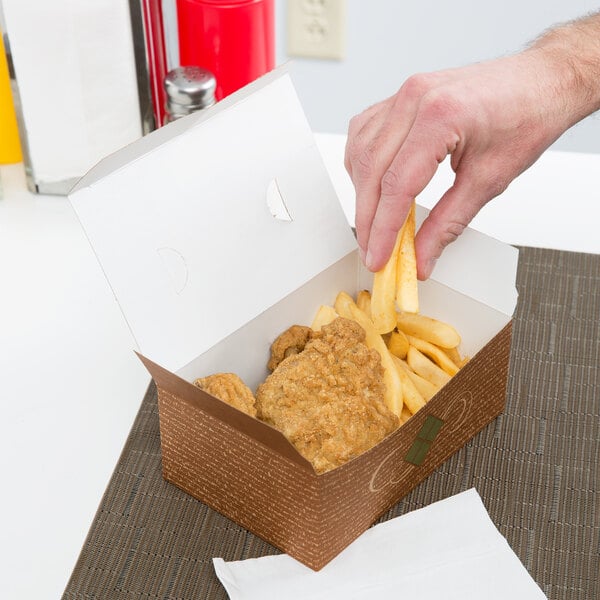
x: 231, y: 389
x: 328, y: 400
x: 291, y: 341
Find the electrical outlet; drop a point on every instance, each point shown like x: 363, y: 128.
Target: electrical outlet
x: 316, y: 28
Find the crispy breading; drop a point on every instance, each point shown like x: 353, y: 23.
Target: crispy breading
x: 291, y: 341
x: 328, y: 400
x: 231, y: 389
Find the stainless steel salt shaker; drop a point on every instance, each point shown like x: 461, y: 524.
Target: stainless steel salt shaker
x: 188, y: 89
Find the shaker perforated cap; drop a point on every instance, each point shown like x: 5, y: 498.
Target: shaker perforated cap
x: 189, y: 89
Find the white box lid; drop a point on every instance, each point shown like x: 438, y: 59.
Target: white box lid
x: 182, y: 220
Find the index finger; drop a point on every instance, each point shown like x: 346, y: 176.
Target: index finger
x: 383, y: 138
x: 356, y: 130
x: 409, y: 173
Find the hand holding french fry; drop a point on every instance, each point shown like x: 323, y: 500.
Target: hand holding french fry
x: 395, y: 286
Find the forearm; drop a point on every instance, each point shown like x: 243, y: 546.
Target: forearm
x: 572, y: 54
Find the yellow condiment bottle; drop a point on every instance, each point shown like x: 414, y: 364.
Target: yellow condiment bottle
x: 10, y: 149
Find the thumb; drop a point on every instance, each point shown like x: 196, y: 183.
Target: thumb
x: 446, y: 221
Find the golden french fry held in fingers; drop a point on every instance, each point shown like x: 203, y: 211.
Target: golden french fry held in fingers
x: 383, y: 307
x: 407, y: 294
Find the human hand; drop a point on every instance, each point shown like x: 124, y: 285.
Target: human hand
x: 494, y: 119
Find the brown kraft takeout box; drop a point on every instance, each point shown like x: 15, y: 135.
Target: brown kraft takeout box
x: 219, y: 231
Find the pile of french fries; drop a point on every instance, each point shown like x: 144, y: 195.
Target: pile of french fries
x: 418, y: 354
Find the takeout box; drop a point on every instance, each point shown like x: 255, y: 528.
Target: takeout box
x: 218, y: 232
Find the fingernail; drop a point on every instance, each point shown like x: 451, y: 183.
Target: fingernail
x: 369, y: 260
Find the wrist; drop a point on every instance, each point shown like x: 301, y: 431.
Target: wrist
x: 569, y: 62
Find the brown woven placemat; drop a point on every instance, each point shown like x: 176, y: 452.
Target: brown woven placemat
x: 536, y: 467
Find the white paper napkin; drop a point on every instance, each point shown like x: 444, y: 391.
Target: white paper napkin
x: 450, y: 549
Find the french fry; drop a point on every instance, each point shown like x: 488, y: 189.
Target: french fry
x: 428, y: 329
x: 342, y: 304
x: 324, y: 316
x: 397, y: 344
x: 424, y: 367
x: 411, y: 396
x: 407, y: 294
x: 405, y: 415
x: 363, y: 301
x: 345, y: 307
x: 383, y: 307
x: 436, y: 354
x: 453, y: 355
x: 427, y: 389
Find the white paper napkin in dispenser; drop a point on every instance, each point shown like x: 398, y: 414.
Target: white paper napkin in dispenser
x: 76, y: 82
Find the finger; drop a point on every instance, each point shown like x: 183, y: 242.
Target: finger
x: 448, y: 219
x: 371, y: 160
x: 355, y: 126
x: 362, y: 127
x: 383, y: 138
x: 370, y: 147
x: 410, y: 171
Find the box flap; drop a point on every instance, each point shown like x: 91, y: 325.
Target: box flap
x: 479, y: 267
x: 207, y: 222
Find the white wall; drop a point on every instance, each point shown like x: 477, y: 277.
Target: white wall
x: 388, y: 40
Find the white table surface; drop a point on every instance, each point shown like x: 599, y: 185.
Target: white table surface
x: 71, y: 384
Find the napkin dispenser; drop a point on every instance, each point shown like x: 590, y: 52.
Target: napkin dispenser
x: 75, y: 86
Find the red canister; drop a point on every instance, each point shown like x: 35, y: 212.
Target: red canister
x: 234, y: 39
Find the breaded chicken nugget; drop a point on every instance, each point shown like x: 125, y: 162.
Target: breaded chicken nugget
x: 328, y: 400
x: 231, y: 389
